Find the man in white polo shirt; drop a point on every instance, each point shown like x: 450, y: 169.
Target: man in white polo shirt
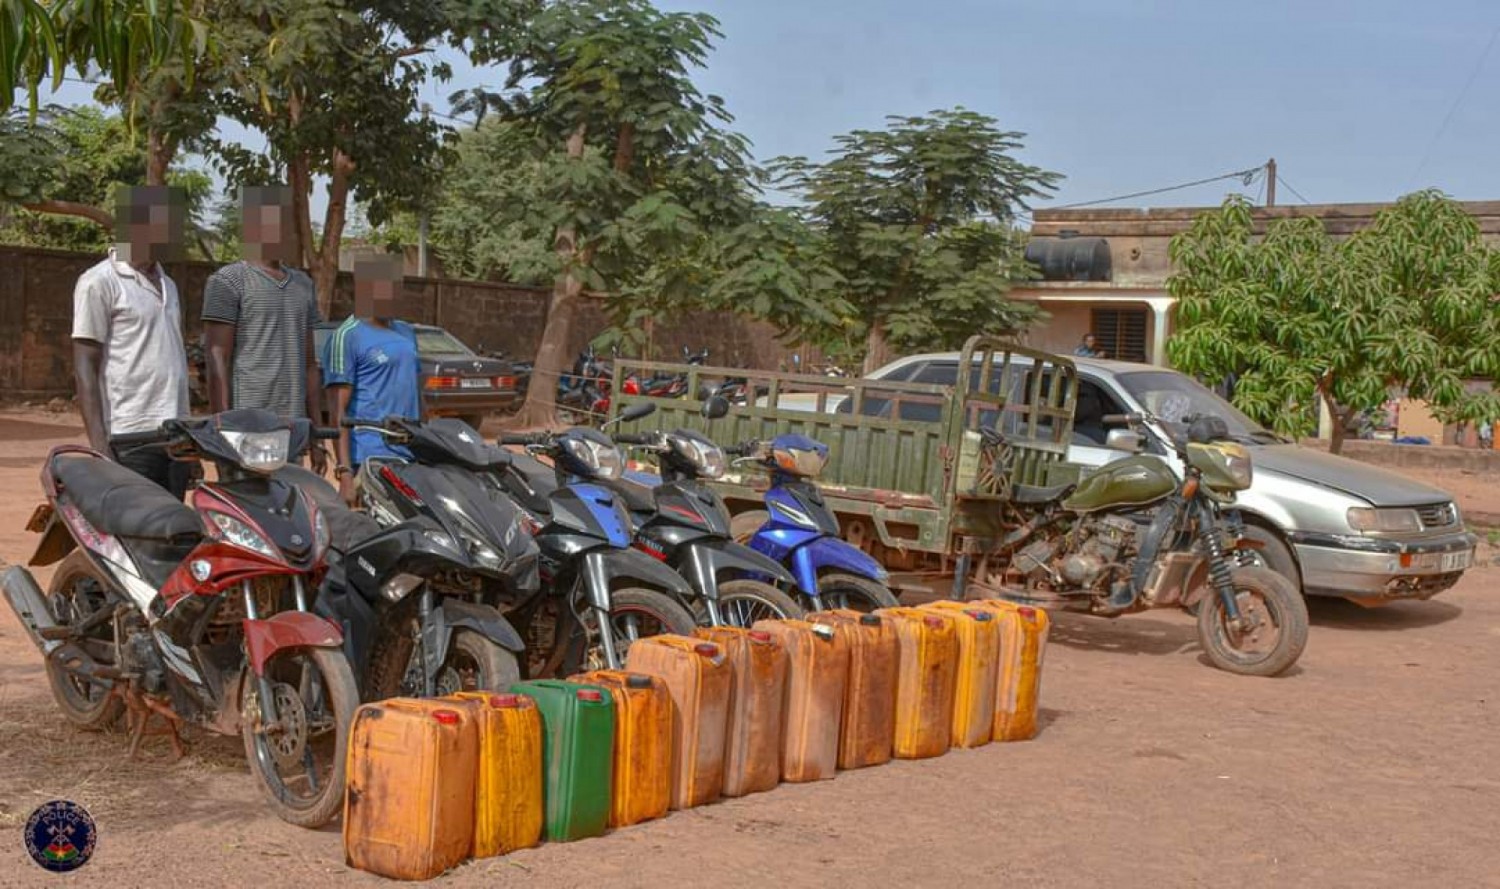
x: 128, y: 357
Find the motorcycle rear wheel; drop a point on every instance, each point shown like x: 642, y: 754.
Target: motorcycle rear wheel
x: 87, y: 703
x: 1274, y: 605
x: 324, y: 793
x: 854, y: 592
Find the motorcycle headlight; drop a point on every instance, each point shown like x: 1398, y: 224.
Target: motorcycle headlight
x: 1362, y: 518
x: 799, y: 462
x: 599, y: 460
x: 1240, y: 469
x: 486, y: 557
x: 707, y: 458
x: 321, y: 536
x: 236, y: 532
x: 441, y: 539
x: 260, y: 451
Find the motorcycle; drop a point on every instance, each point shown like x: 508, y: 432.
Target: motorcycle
x: 422, y: 599
x: 669, y: 385
x: 1130, y: 536
x: 799, y: 531
x: 603, y: 593
x: 587, y: 389
x: 196, y: 613
x: 683, y: 523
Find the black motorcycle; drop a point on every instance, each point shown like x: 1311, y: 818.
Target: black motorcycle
x: 422, y: 587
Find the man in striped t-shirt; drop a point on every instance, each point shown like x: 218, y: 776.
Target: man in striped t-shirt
x: 258, y: 319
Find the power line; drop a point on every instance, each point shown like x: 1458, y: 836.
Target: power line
x: 1246, y: 176
x: 1288, y: 186
x: 1453, y: 109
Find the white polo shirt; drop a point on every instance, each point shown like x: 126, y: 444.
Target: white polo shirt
x: 145, y: 363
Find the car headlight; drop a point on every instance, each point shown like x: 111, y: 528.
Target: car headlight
x: 600, y: 460
x: 707, y: 458
x: 321, y: 536
x: 236, y: 532
x: 260, y: 451
x: 1388, y: 520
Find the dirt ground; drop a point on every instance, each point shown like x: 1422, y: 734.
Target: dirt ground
x: 1376, y: 763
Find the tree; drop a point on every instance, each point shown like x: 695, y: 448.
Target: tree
x: 622, y: 169
x: 918, y: 219
x: 1295, y: 318
x: 62, y: 170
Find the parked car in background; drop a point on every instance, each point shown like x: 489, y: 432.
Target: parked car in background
x: 1335, y: 526
x: 456, y: 380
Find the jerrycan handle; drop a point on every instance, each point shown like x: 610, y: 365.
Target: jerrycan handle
x: 823, y: 631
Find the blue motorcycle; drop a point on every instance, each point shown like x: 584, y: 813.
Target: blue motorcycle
x: 798, y: 530
x: 583, y: 530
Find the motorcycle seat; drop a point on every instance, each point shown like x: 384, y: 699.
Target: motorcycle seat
x: 1034, y: 495
x: 345, y: 526
x: 123, y: 503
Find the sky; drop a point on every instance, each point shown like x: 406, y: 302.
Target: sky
x: 1357, y: 101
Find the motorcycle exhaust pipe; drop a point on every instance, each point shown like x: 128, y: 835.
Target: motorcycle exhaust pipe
x: 30, y: 604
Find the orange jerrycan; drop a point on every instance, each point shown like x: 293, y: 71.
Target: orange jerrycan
x: 752, y: 755
x: 817, y: 671
x: 925, y: 685
x: 508, y: 793
x: 868, y: 726
x: 978, y: 660
x: 1023, y: 642
x: 698, y: 677
x: 643, y: 745
x: 409, y: 801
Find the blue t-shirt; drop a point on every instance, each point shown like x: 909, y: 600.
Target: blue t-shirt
x: 380, y: 367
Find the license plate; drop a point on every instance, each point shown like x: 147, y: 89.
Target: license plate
x: 476, y: 383
x: 1451, y: 562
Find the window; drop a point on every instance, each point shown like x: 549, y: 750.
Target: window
x: 1121, y: 333
x: 436, y: 341
x: 1094, y: 404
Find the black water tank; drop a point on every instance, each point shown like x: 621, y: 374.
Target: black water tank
x: 1070, y: 259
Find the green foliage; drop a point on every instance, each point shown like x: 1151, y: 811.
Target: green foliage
x: 918, y: 221
x: 1407, y: 303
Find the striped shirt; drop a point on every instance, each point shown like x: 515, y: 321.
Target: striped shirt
x: 272, y: 320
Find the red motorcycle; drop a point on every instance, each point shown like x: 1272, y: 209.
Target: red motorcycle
x: 196, y: 614
x: 666, y: 385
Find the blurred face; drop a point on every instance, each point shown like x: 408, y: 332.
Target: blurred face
x: 149, y: 222
x: 1089, y: 341
x: 266, y: 223
x: 377, y: 287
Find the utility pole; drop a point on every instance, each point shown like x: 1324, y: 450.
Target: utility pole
x: 1271, y: 182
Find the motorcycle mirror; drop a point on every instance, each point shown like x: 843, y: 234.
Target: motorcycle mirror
x: 715, y: 406
x: 1127, y: 440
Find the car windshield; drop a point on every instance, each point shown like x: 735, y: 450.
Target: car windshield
x: 436, y: 341
x: 1172, y: 397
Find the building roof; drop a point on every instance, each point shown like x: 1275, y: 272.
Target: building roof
x: 1339, y: 219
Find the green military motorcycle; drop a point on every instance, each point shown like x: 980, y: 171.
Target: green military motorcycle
x: 1133, y: 536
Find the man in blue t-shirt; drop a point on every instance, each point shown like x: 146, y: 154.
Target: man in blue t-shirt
x: 370, y: 368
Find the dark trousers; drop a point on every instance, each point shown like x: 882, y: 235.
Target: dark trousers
x: 152, y: 462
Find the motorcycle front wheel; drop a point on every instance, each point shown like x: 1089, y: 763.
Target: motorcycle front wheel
x: 634, y: 614
x: 1274, y: 625
x: 299, y: 762
x: 473, y: 663
x: 743, y: 602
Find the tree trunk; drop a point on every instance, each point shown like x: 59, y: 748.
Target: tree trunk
x: 1338, y: 415
x: 325, y: 265
x: 72, y: 208
x: 540, y: 409
x: 159, y: 151
x: 299, y: 179
x: 877, y: 349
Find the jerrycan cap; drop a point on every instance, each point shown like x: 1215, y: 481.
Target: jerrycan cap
x: 707, y: 649
x: 980, y: 616
x: 759, y: 636
x: 822, y: 631
x: 1026, y: 612
x: 446, y: 717
x: 506, y: 702
x: 590, y: 695
x: 870, y: 620
x: 636, y: 680
x: 932, y: 621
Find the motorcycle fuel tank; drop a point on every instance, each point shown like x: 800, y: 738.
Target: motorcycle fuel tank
x: 1134, y: 481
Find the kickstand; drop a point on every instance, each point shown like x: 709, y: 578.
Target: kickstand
x: 139, y: 708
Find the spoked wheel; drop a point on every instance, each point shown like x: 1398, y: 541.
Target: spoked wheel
x: 743, y: 602
x: 635, y: 614
x: 299, y: 760
x: 1271, y: 632
x: 76, y: 593
x: 854, y: 593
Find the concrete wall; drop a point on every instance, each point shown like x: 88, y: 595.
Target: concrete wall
x: 36, y: 317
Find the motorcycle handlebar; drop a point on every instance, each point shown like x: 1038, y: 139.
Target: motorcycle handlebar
x: 641, y: 438
x: 1123, y: 419
x: 325, y: 433
x: 743, y: 449
x: 529, y: 438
